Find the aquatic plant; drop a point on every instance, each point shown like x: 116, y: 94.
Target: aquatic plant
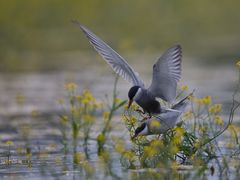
x: 194, y: 141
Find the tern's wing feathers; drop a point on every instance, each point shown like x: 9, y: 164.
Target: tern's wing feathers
x: 166, y: 74
x: 118, y: 64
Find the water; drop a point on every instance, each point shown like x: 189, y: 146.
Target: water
x: 41, y: 133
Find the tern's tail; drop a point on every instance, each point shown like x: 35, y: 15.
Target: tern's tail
x: 181, y: 105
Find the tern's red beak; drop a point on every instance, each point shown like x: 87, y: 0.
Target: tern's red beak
x: 130, y: 103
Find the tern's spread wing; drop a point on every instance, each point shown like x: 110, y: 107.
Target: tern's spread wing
x: 118, y: 64
x: 166, y: 74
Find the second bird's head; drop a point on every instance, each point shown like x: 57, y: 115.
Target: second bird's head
x: 133, y: 93
x: 141, y: 130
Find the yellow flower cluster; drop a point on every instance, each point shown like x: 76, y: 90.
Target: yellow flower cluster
x: 74, y: 111
x: 20, y: 99
x: 88, y: 119
x: 119, y: 147
x: 134, y: 106
x: 64, y: 120
x: 87, y: 97
x: 184, y: 88
x: 89, y: 169
x: 219, y: 120
x: 9, y: 143
x: 203, y: 101
x: 60, y: 101
x: 117, y: 100
x: 129, y: 155
x: 100, y: 138
x: 216, y: 108
x: 153, y: 148
x: 207, y: 100
x: 78, y: 157
x: 35, y: 113
x: 238, y: 64
x: 70, y: 86
x: 106, y: 115
x: 178, y: 135
x: 155, y: 124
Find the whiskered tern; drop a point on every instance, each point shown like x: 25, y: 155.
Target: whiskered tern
x: 167, y: 120
x: 166, y: 74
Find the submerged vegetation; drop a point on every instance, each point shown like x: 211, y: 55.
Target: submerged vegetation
x: 204, y: 142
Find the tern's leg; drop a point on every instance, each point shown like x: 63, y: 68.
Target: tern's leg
x: 144, y: 118
x: 140, y: 111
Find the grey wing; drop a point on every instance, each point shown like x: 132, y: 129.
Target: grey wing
x: 166, y: 74
x: 118, y: 64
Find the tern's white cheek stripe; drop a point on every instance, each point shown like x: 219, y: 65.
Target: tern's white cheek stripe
x: 138, y: 93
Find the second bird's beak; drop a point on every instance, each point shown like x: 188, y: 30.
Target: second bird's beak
x: 130, y: 103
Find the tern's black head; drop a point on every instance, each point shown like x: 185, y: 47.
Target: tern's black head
x: 132, y: 92
x: 140, y: 129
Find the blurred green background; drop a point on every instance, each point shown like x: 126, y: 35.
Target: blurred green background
x: 39, y: 36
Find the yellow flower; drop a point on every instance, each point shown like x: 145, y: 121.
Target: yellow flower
x: 133, y: 120
x: 184, y: 88
x: 117, y: 100
x: 178, y: 135
x: 98, y: 105
x: 203, y: 129
x: 9, y: 143
x: 134, y: 106
x: 197, y: 144
x: 155, y: 124
x: 219, y: 120
x: 60, y: 101
x: 174, y: 149
x: 216, y: 108
x: 238, y: 64
x: 64, y: 120
x: 129, y: 155
x: 35, y: 113
x: 100, y: 138
x: 87, y: 97
x: 78, y: 157
x: 20, y: 151
x: 70, y: 86
x: 199, y: 101
x: 207, y: 100
x: 20, y: 99
x: 79, y: 98
x: 58, y: 160
x: 156, y: 143
x: 89, y: 169
x: 105, y: 156
x: 119, y: 147
x: 150, y: 151
x: 74, y: 111
x: 88, y: 119
x: 106, y: 115
x: 179, y: 132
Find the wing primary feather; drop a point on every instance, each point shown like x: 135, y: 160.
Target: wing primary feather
x: 118, y: 64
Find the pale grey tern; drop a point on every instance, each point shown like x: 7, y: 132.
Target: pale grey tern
x: 166, y: 74
x: 166, y: 120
